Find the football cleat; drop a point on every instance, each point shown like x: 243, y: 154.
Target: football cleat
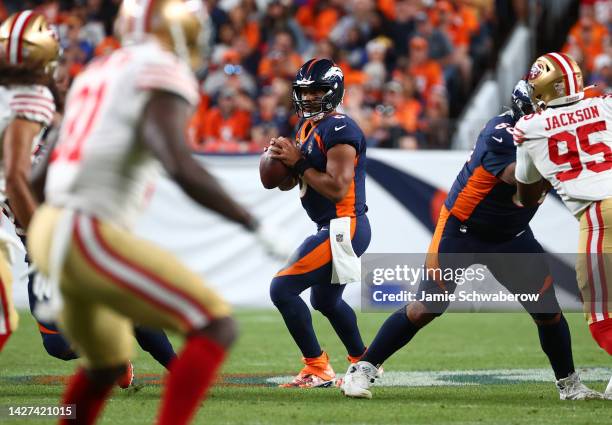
x: 571, y: 388
x: 608, y: 392
x: 355, y: 359
x: 317, y: 373
x: 128, y: 377
x: 358, y: 379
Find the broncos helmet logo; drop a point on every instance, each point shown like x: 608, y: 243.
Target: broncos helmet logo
x: 334, y: 71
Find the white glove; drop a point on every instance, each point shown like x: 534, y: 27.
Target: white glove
x: 270, y: 238
x: 41, y: 288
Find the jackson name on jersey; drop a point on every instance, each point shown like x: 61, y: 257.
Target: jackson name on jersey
x: 570, y: 146
x: 100, y: 167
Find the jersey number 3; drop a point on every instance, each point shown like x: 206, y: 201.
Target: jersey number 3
x: 572, y: 154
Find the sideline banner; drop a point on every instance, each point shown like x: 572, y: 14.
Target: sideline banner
x: 405, y: 190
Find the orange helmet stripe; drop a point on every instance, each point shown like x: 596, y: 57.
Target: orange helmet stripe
x: 315, y: 60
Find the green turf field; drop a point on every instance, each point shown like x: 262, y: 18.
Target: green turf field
x: 491, y: 351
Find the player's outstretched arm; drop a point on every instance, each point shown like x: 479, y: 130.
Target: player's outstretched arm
x: 163, y: 131
x: 17, y: 146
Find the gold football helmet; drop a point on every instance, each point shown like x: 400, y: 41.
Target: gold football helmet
x: 26, y: 37
x: 179, y: 25
x: 555, y: 79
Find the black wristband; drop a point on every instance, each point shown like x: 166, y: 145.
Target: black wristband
x: 301, y: 166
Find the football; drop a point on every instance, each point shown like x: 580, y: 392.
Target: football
x: 272, y: 171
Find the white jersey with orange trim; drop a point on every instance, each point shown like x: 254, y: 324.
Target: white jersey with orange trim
x: 33, y: 103
x: 99, y: 165
x: 571, y: 147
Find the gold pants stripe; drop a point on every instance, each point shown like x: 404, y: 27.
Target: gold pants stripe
x: 594, y: 263
x: 138, y: 280
x: 110, y: 279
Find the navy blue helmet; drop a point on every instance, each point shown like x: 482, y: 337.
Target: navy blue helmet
x: 521, y: 100
x: 318, y: 75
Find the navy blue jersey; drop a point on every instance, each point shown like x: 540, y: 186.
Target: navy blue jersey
x: 478, y: 197
x: 315, y: 139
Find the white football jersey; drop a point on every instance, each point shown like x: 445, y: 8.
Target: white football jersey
x: 571, y: 147
x: 32, y: 103
x: 99, y: 165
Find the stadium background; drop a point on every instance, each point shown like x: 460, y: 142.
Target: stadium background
x: 422, y: 76
x: 463, y: 368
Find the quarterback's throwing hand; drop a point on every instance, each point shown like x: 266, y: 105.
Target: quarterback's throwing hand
x: 284, y: 150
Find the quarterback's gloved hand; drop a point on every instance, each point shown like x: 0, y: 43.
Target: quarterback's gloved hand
x: 270, y: 239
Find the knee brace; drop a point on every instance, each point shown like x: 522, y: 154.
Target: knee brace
x: 602, y: 333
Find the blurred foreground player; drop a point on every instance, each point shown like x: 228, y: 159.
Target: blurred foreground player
x: 29, y: 51
x: 125, y: 115
x: 155, y: 342
x: 569, y: 143
x: 328, y: 161
x: 481, y: 224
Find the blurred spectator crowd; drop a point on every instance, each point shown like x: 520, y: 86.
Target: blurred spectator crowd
x: 589, y: 43
x: 409, y: 65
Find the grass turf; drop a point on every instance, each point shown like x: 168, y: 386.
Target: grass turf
x: 455, y: 341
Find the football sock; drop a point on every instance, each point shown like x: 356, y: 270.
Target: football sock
x: 156, y: 343
x: 602, y: 333
x: 191, y: 374
x: 88, y: 396
x: 298, y: 320
x: 3, y: 339
x: 396, y: 332
x: 556, y: 342
x: 344, y: 321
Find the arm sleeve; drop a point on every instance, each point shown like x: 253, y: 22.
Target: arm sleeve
x: 33, y: 103
x: 526, y: 171
x: 174, y: 78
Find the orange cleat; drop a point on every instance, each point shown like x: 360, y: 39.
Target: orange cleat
x: 317, y: 373
x: 126, y: 380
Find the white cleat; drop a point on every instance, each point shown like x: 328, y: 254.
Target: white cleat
x: 571, y: 388
x: 608, y: 392
x: 358, y: 379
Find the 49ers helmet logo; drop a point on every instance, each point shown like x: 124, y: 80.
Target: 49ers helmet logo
x: 534, y: 72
